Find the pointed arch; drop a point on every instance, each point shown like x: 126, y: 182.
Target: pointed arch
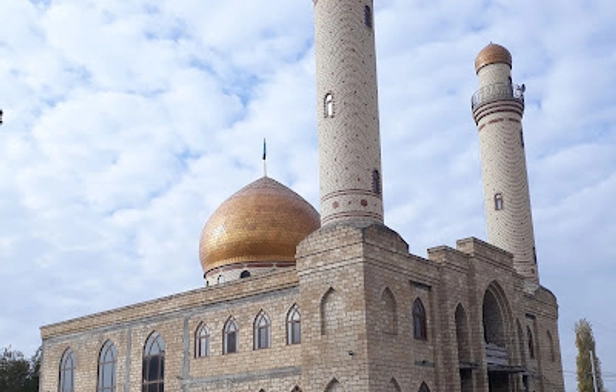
x: 331, y: 311
x: 107, y: 364
x: 424, y: 387
x: 334, y: 386
x: 389, y: 312
x: 462, y: 335
x: 294, y: 325
x: 496, y: 316
x: 296, y: 389
x: 262, y: 331
x: 68, y: 365
x: 153, y: 370
x: 230, y: 338
x: 420, y: 324
x: 202, y: 341
x: 393, y: 386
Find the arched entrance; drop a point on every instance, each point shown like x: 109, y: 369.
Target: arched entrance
x: 496, y: 333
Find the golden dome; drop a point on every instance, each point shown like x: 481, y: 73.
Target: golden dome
x: 491, y: 54
x: 264, y: 221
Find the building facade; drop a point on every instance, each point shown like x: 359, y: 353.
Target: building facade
x: 297, y: 301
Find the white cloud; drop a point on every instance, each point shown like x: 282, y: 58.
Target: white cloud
x: 128, y: 123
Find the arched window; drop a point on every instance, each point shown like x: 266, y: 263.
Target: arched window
x: 230, y: 338
x: 368, y: 16
x: 329, y: 105
x: 221, y: 279
x: 551, y: 344
x: 202, y: 341
x: 107, y: 363
x: 531, y: 343
x: 262, y: 329
x: 332, y: 312
x: 424, y: 387
x: 294, y: 326
x: 67, y: 372
x: 389, y: 312
x: 296, y: 389
x: 498, y: 201
x: 245, y: 274
x: 334, y: 386
x: 154, y: 364
x: 420, y: 330
x: 393, y: 386
x: 376, y: 182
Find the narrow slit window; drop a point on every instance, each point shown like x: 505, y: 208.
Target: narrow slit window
x: 498, y: 201
x: 531, y: 343
x: 522, y: 138
x: 368, y: 16
x: 376, y: 182
x: 329, y: 105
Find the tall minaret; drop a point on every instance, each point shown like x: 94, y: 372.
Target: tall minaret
x: 348, y: 115
x: 498, y: 107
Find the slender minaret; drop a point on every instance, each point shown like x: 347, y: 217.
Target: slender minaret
x: 348, y: 116
x: 498, y: 107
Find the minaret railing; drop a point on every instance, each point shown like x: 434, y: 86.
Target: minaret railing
x: 497, y: 92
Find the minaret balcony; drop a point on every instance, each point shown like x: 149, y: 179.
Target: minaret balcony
x: 497, y: 92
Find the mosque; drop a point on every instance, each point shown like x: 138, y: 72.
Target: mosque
x: 295, y: 300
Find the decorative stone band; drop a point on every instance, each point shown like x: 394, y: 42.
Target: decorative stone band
x: 349, y: 192
x: 506, y: 106
x: 497, y: 120
x: 357, y: 204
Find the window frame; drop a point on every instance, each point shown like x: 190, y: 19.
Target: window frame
x: 103, y: 367
x: 499, y: 202
x: 156, y: 342
x: 294, y: 325
x: 202, y: 341
x: 420, y: 323
x: 231, y: 328
x: 262, y: 331
x: 68, y: 365
x: 328, y: 105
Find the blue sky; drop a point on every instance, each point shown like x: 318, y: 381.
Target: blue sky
x: 128, y: 122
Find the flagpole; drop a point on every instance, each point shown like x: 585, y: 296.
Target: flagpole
x: 264, y: 159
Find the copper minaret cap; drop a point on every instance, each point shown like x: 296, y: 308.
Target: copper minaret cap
x: 264, y: 221
x: 491, y: 54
